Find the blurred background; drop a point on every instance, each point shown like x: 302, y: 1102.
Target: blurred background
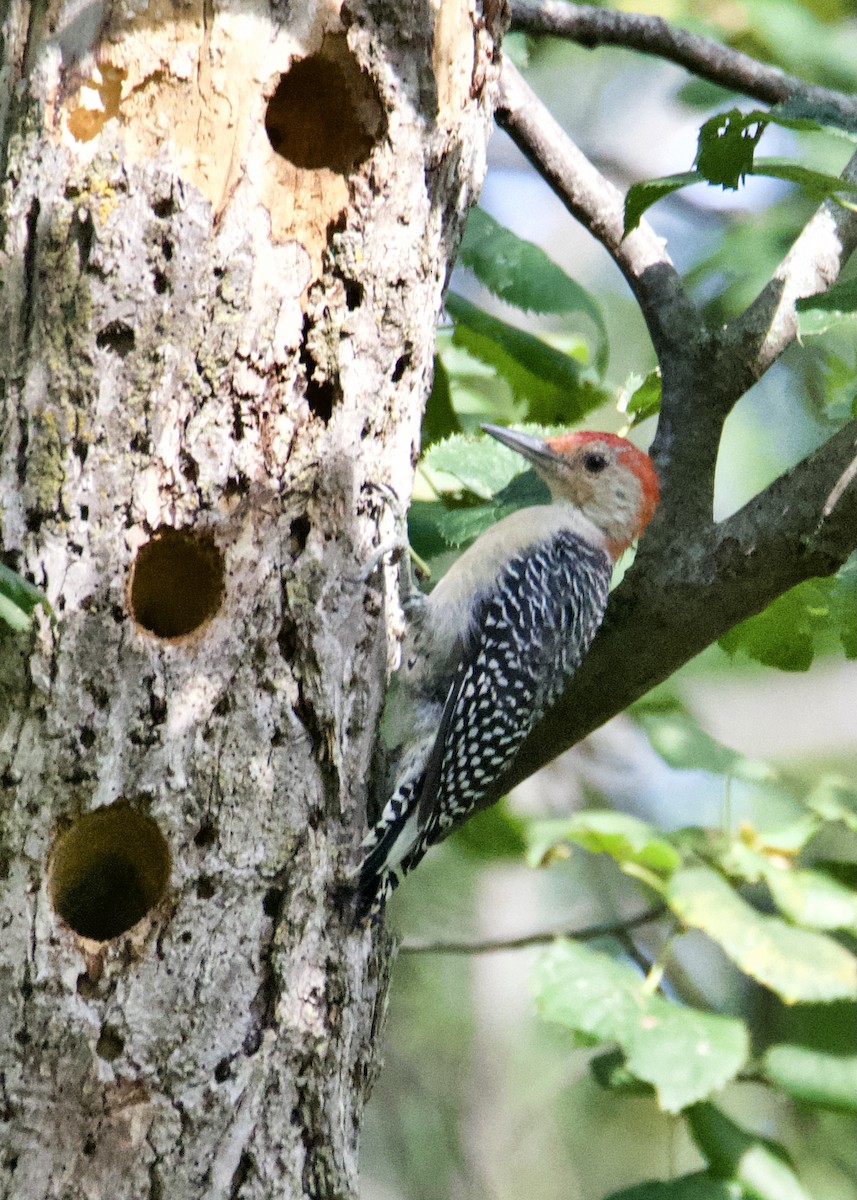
x: 479, y: 1097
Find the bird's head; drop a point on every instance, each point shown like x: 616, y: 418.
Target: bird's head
x: 606, y: 477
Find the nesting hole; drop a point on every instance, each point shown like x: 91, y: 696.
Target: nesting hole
x: 117, y: 337
x: 325, y: 111
x: 176, y: 582
x: 107, y: 871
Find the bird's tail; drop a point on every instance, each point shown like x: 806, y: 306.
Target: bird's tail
x: 386, y: 850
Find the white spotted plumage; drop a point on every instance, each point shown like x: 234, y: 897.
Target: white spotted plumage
x: 500, y: 638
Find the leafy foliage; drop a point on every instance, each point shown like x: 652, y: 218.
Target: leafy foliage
x: 792, y: 630
x: 725, y: 156
x: 683, y: 1053
x: 761, y: 897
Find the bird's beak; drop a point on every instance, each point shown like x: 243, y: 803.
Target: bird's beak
x: 534, y: 449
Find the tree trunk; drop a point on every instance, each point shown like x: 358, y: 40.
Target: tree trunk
x: 226, y: 229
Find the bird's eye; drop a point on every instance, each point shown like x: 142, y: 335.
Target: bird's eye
x: 593, y: 462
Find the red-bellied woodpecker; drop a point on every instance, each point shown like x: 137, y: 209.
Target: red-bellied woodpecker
x: 498, y: 639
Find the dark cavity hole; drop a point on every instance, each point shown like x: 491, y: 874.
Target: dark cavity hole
x: 321, y: 398
x: 206, y: 835
x: 176, y: 582
x: 298, y: 534
x: 117, y: 337
x: 161, y: 283
x: 165, y: 207
x: 325, y: 111
x: 107, y: 871
x: 110, y: 1044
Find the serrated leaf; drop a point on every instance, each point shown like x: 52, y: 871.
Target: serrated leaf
x: 545, y: 378
x: 520, y: 273
x: 625, y: 838
x: 828, y: 1080
x: 460, y: 526
x: 795, y: 963
x: 725, y: 148
x: 759, y: 1165
x: 683, y: 1053
x: 481, y: 465
x: 699, y: 1186
x: 643, y: 195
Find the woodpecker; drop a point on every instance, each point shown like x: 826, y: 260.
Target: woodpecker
x: 496, y: 642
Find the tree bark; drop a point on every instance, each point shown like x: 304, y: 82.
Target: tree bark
x: 225, y: 231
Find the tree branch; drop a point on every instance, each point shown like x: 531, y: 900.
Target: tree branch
x: 756, y: 338
x: 588, y: 933
x: 599, y: 206
x: 701, y: 56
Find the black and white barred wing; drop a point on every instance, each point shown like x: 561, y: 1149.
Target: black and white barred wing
x: 532, y: 632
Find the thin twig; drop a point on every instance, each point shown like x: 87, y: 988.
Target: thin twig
x: 709, y: 59
x: 599, y: 206
x: 495, y: 945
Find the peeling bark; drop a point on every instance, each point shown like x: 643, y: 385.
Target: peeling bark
x: 210, y: 353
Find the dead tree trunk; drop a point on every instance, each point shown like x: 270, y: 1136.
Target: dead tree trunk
x: 225, y: 230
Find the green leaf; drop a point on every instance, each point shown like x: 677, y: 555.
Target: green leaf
x: 834, y: 798
x: 700, y: 1186
x: 643, y: 195
x: 826, y: 1080
x: 18, y: 599
x: 811, y: 898
x: 795, y: 963
x: 758, y: 1165
x: 495, y: 833
x: 460, y: 526
x: 725, y: 148
x: 790, y: 632
x: 520, y: 273
x: 641, y: 398
x: 817, y: 184
x: 439, y: 419
x: 683, y: 1053
x: 548, y: 380
x: 623, y: 837
x: 481, y: 465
